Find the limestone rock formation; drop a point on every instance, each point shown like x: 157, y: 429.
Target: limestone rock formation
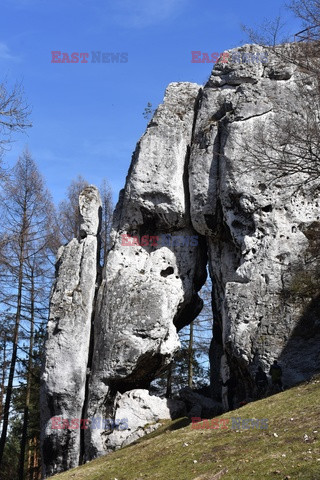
x: 134, y: 410
x: 254, y: 227
x: 194, y: 187
x: 149, y: 291
x: 89, y: 207
x: 68, y: 340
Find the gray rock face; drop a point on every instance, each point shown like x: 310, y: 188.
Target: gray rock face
x: 89, y: 206
x: 141, y: 414
x: 68, y: 341
x: 149, y: 291
x: 254, y: 228
x: 194, y: 187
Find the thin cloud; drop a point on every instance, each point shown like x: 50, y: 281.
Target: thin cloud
x: 144, y: 13
x: 5, y: 53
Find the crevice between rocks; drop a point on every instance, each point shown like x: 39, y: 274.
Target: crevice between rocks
x: 82, y: 452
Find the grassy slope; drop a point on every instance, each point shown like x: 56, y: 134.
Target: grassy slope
x: 247, y: 454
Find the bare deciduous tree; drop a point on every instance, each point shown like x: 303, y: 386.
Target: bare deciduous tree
x: 69, y: 214
x: 27, y: 211
x: 269, y: 33
x: 106, y: 223
x: 308, y: 11
x: 14, y: 113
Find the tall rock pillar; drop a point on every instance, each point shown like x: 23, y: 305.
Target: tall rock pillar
x: 63, y: 390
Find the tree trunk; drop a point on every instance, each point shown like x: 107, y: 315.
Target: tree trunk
x: 190, y: 357
x: 169, y: 382
x: 12, y: 369
x: 29, y: 378
x: 3, y: 377
x: 29, y: 467
x: 15, y: 338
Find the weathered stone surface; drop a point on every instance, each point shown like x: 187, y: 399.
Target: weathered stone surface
x: 141, y: 413
x: 68, y: 341
x: 193, y: 174
x: 148, y: 291
x: 254, y: 229
x: 90, y: 210
x: 156, y: 196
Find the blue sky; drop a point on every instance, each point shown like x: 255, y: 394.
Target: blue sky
x: 87, y: 117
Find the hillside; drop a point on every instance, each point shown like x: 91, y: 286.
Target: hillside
x: 288, y: 449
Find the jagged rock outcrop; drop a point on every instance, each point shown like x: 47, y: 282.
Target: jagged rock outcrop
x: 193, y: 176
x: 63, y: 391
x: 254, y: 227
x: 149, y: 291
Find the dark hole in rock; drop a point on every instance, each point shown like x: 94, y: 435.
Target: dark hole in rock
x: 267, y: 208
x: 168, y: 271
x: 236, y: 224
x: 263, y: 187
x: 83, y: 234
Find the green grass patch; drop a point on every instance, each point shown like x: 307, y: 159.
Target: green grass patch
x: 288, y: 449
